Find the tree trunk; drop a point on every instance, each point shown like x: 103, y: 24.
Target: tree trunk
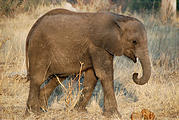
x: 168, y: 10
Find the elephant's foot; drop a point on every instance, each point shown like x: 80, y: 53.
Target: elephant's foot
x: 80, y: 108
x: 35, y: 109
x: 112, y: 113
x: 43, y: 103
x: 27, y: 113
x: 37, y: 113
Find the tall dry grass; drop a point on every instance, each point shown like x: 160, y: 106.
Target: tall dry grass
x: 160, y: 95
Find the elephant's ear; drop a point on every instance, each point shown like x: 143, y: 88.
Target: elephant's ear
x: 116, y: 45
x: 117, y: 23
x: 113, y: 43
x: 118, y: 26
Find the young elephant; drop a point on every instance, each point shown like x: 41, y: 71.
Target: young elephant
x: 61, y: 39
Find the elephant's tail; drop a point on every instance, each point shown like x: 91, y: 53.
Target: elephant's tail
x: 28, y: 42
x: 27, y: 61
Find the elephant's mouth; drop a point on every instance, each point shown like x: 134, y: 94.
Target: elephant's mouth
x: 132, y: 57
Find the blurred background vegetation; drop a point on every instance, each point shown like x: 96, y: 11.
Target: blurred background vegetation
x: 147, y: 5
x: 10, y: 7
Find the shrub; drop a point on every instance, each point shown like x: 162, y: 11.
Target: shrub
x: 144, y: 5
x: 7, y: 7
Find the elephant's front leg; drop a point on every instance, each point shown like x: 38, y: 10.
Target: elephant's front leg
x: 103, y: 67
x: 89, y: 85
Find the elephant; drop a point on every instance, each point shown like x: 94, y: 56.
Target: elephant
x: 61, y: 39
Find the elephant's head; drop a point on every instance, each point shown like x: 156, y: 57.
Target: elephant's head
x: 134, y: 45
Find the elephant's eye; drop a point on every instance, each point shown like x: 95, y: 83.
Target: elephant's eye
x: 134, y: 42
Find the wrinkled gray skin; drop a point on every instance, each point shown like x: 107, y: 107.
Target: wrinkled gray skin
x: 61, y: 39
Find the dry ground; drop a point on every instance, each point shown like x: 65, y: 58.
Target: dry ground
x: 160, y: 95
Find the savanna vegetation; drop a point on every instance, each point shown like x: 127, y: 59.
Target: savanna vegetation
x: 160, y: 95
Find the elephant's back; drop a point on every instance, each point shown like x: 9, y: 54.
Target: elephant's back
x: 64, y: 29
x: 49, y: 13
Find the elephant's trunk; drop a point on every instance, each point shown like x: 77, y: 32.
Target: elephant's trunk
x: 146, y: 67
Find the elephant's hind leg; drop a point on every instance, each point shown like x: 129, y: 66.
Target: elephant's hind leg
x: 46, y: 91
x: 37, y: 76
x: 33, y: 99
x: 89, y: 84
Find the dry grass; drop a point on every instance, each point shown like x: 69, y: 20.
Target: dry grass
x: 160, y: 95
